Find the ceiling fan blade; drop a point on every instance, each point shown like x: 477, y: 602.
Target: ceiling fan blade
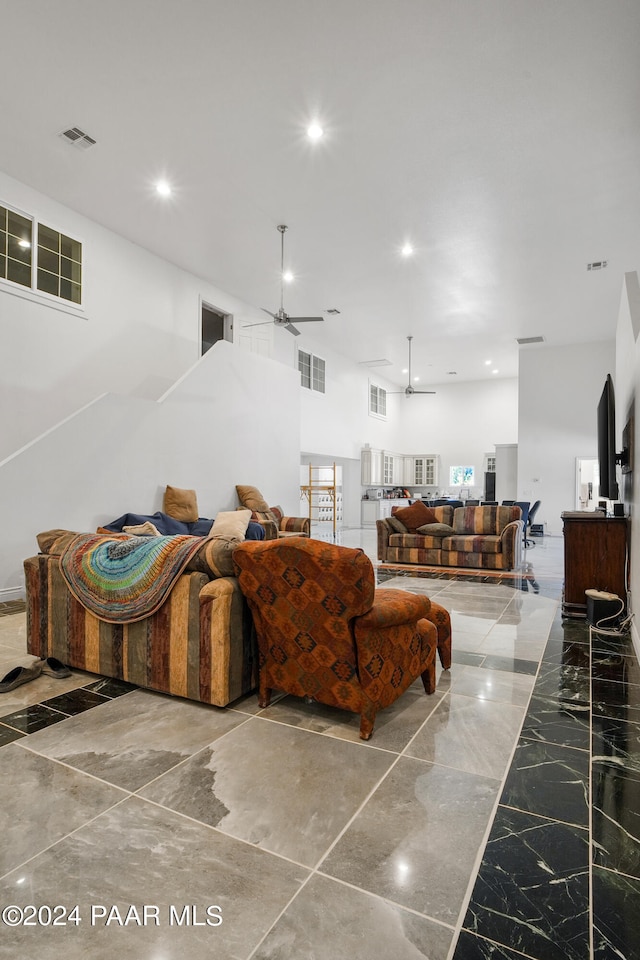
x: 307, y: 319
x: 292, y: 329
x: 260, y: 323
x: 274, y: 315
x: 424, y: 391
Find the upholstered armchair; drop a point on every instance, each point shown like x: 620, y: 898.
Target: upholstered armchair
x: 325, y: 632
x: 276, y: 525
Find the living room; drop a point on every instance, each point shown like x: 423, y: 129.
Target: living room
x: 522, y: 155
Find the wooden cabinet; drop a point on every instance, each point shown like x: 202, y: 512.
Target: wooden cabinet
x: 595, y: 557
x: 371, y: 467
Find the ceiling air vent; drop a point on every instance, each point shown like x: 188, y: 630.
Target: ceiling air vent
x: 78, y: 138
x: 597, y: 265
x: 523, y: 340
x: 374, y: 363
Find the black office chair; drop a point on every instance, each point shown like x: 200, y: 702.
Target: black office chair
x: 489, y: 503
x: 508, y: 503
x: 472, y: 503
x: 532, y: 512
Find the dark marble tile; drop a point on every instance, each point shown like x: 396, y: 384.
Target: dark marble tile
x: 549, y: 780
x: 564, y: 681
x: 576, y: 631
x: 511, y: 665
x: 33, y: 718
x: 616, y: 741
x: 76, y: 701
x: 550, y: 720
x: 9, y: 734
x: 532, y: 890
x: 616, y: 916
x: 109, y: 687
x: 604, y: 645
x: 470, y: 947
x: 616, y: 818
x: 567, y: 652
x: 611, y: 701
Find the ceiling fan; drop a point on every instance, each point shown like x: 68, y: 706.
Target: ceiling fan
x: 282, y: 319
x: 409, y: 390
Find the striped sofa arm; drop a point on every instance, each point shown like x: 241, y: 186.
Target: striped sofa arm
x: 511, y: 539
x: 383, y: 530
x: 300, y: 525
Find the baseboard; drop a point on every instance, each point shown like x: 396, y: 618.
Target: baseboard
x: 11, y: 593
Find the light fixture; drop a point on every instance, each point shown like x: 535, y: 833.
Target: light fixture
x: 163, y: 188
x: 314, y: 131
x: 488, y: 363
x: 287, y: 276
x: 407, y: 250
x: 495, y: 371
x: 24, y: 244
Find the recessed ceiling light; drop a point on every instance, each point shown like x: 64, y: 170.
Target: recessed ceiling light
x: 24, y: 244
x: 495, y: 371
x: 407, y: 250
x: 287, y: 276
x: 405, y: 370
x: 314, y: 131
x: 415, y: 379
x: 487, y: 363
x: 163, y: 188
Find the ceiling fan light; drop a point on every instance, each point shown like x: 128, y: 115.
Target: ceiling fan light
x: 407, y: 250
x: 314, y: 131
x: 288, y: 277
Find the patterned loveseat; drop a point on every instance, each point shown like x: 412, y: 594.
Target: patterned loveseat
x: 197, y: 644
x: 483, y: 537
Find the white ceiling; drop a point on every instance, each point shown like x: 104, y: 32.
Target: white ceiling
x: 502, y: 138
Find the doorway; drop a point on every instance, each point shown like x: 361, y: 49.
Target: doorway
x: 214, y: 326
x: 587, y: 483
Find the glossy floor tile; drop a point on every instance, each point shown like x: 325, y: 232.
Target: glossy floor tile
x: 498, y: 819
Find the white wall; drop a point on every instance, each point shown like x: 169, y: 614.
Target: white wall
x: 215, y: 429
x: 559, y: 389
x: 138, y: 330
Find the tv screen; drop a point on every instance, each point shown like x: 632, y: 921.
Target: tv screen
x: 607, y: 442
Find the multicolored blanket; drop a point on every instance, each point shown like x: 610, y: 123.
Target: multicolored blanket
x: 121, y: 579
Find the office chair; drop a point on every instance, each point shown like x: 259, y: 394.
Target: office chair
x: 532, y: 512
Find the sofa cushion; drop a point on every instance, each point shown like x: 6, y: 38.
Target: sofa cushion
x: 180, y: 504
x: 483, y: 543
x: 215, y: 558
x: 481, y: 520
x: 435, y: 530
x: 415, y: 541
x: 252, y: 498
x: 415, y: 516
x: 396, y: 525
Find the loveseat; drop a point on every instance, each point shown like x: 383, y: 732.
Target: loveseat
x: 486, y: 537
x: 198, y: 643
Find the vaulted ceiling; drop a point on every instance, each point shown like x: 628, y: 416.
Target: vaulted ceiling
x: 501, y: 139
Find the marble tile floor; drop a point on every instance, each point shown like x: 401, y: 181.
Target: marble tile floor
x: 499, y: 818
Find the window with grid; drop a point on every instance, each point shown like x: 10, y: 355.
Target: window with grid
x: 312, y: 371
x: 490, y: 463
x: 461, y: 476
x: 39, y: 258
x: 377, y: 400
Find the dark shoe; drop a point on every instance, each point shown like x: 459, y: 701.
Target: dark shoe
x: 54, y: 668
x: 20, y: 675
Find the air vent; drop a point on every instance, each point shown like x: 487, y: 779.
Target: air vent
x: 597, y: 265
x: 333, y: 310
x: 374, y: 363
x: 523, y: 340
x: 78, y: 138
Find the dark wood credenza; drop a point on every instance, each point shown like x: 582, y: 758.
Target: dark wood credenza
x: 595, y: 556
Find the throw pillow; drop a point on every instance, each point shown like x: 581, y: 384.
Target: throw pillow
x: 396, y: 525
x: 180, y: 504
x: 143, y: 529
x: 436, y: 530
x: 415, y: 516
x: 55, y: 542
x: 231, y: 523
x: 252, y: 498
x: 215, y: 558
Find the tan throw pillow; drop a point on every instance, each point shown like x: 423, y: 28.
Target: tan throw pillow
x: 142, y: 529
x: 251, y: 498
x: 415, y: 516
x: 180, y: 504
x: 55, y: 542
x: 231, y: 523
x: 396, y: 525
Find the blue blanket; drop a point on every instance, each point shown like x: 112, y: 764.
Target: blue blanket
x: 167, y: 526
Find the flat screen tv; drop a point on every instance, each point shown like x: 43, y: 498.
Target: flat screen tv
x: 607, y: 442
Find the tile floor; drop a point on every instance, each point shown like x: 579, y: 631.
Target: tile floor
x: 499, y: 818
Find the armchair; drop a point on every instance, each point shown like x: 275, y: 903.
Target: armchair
x: 276, y: 525
x: 325, y: 632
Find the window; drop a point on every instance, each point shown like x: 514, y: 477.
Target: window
x: 312, y: 371
x: 377, y: 400
x: 490, y: 460
x: 39, y: 258
x: 461, y: 476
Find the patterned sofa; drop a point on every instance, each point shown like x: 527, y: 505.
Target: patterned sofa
x: 486, y: 537
x: 198, y: 644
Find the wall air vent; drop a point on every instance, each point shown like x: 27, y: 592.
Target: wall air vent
x: 374, y: 363
x: 333, y: 311
x: 523, y: 340
x: 597, y: 265
x: 78, y: 138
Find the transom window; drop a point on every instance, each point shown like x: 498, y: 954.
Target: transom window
x: 37, y: 257
x: 312, y: 371
x: 377, y: 400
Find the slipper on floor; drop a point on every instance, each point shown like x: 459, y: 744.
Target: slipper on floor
x: 20, y: 675
x: 54, y: 668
